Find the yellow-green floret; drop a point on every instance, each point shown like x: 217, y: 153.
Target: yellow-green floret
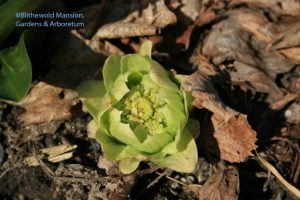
x: 142, y: 107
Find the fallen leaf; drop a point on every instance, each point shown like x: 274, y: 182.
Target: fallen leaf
x: 184, y: 39
x: 254, y: 79
x: 286, y: 7
x: 191, y: 9
x: 204, y: 18
x: 253, y: 22
x: 234, y: 136
x: 198, y: 12
x: 149, y: 21
x: 46, y: 103
x: 292, y: 54
x: 222, y: 185
x: 295, y: 85
x: 255, y: 65
x: 289, y: 34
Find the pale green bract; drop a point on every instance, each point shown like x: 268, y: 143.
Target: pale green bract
x: 141, y: 114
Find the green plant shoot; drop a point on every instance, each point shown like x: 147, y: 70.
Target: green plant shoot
x: 140, y: 114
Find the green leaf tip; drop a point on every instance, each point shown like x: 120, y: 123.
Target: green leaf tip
x: 15, y: 72
x: 146, y: 48
x: 141, y: 114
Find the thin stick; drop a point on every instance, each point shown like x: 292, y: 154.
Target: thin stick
x: 173, y: 179
x: 157, y: 178
x: 272, y: 169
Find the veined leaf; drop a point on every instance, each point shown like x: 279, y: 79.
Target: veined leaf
x: 15, y: 72
x: 8, y: 11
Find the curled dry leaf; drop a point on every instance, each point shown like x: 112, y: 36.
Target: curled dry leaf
x: 235, y: 137
x: 204, y: 18
x: 255, y: 65
x: 222, y: 185
x: 284, y: 34
x: 292, y: 53
x: 287, y: 42
x: 286, y: 7
x: 232, y: 132
x: 46, y: 103
x: 148, y: 21
x: 191, y: 9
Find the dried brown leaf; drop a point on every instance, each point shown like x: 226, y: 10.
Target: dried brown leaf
x: 235, y: 137
x: 245, y: 75
x: 204, y: 18
x: 292, y: 54
x: 198, y: 12
x: 206, y: 96
x: 232, y: 132
x: 290, y: 35
x: 46, y: 103
x: 253, y: 64
x: 147, y: 22
x: 184, y: 39
x: 253, y: 22
x: 222, y: 185
x: 295, y: 85
x: 191, y: 8
x: 280, y: 7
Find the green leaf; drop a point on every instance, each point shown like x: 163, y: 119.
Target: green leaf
x: 128, y: 165
x: 2, y: 2
x: 148, y: 84
x: 173, y: 117
x: 119, y: 130
x: 15, y: 72
x: 188, y: 100
x: 141, y: 133
x: 91, y: 94
x: 8, y: 12
x: 111, y: 70
x: 160, y: 76
x: 134, y: 79
x: 155, y: 143
x: 180, y: 78
x: 134, y: 63
x: 124, y: 134
x: 114, y: 81
x: 112, y: 149
x: 179, y: 143
x: 119, y: 89
x: 172, y: 98
x: 184, y: 161
x: 146, y: 48
x: 194, y: 127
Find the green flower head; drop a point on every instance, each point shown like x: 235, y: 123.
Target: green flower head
x: 140, y: 113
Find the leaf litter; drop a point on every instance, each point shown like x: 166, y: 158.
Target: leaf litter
x: 249, y: 48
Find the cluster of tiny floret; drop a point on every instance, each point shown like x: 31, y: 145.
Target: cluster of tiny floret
x: 142, y: 107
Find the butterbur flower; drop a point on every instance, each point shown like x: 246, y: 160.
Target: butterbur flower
x: 140, y: 114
